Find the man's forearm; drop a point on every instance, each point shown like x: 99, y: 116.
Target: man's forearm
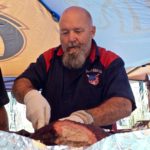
x: 20, y: 89
x: 110, y: 111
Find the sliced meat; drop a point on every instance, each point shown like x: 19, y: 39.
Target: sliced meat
x: 22, y: 132
x: 69, y: 133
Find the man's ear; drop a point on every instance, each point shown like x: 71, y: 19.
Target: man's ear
x: 93, y: 30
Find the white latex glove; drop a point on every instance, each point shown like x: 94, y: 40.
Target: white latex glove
x: 38, y: 110
x: 80, y: 116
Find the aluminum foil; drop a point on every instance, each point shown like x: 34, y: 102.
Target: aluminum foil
x: 12, y: 141
x: 139, y: 140
x: 134, y: 140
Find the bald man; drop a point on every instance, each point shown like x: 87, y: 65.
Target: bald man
x: 77, y: 80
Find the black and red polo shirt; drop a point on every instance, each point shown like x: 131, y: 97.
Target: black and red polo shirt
x: 67, y: 90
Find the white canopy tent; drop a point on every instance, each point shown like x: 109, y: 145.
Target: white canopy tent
x: 29, y: 27
x: 122, y: 26
x: 139, y: 73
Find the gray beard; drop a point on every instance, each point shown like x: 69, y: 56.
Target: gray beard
x: 75, y: 61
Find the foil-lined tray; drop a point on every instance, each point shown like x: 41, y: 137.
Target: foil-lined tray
x: 13, y: 141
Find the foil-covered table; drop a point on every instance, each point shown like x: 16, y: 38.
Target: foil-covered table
x: 13, y: 141
x: 135, y: 140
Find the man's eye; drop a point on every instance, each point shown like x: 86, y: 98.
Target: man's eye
x: 64, y: 32
x: 78, y: 31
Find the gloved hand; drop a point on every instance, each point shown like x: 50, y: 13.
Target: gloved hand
x: 38, y: 110
x: 80, y: 116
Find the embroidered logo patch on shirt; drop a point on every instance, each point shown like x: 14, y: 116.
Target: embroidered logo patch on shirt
x: 93, y: 76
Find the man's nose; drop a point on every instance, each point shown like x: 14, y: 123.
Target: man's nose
x: 72, y: 36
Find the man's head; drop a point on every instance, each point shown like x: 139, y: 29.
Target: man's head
x: 76, y: 34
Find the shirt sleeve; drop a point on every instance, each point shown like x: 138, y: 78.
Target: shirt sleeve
x: 36, y: 73
x: 117, y: 83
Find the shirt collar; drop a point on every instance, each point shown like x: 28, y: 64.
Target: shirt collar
x: 93, y: 54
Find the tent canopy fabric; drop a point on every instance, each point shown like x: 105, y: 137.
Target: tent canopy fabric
x: 26, y: 30
x: 30, y: 27
x: 139, y: 73
x: 122, y: 26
